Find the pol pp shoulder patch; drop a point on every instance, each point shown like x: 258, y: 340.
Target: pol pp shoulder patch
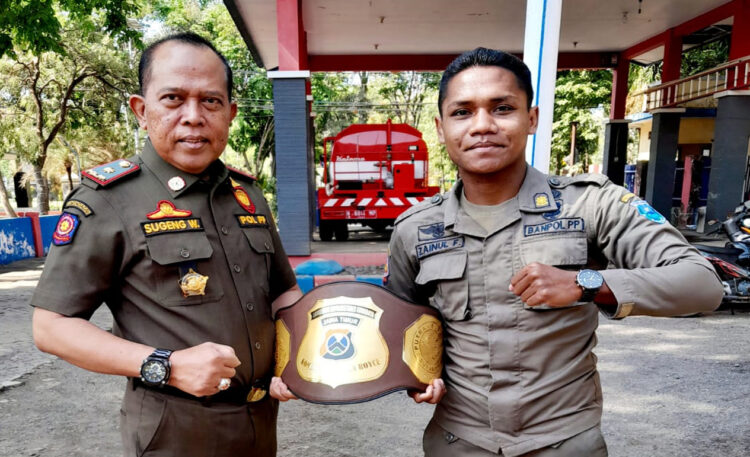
x: 66, y: 229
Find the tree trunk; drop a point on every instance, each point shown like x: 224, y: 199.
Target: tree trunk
x: 4, y: 198
x: 42, y: 190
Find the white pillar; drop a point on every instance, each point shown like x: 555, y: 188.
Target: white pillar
x: 540, y: 46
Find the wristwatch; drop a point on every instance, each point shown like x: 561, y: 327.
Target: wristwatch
x: 590, y: 281
x: 155, y: 368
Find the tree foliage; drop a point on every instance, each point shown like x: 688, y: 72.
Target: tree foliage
x: 35, y: 26
x: 76, y: 89
x: 577, y: 95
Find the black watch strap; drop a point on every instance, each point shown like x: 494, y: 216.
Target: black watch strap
x: 161, y: 354
x: 588, y: 294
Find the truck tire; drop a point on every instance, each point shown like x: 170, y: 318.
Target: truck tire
x: 342, y: 231
x: 325, y: 230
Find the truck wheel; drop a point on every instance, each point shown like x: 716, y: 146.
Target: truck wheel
x: 342, y: 232
x: 325, y: 230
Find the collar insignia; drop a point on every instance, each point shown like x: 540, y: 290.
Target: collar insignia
x: 176, y: 183
x: 165, y: 209
x: 541, y: 200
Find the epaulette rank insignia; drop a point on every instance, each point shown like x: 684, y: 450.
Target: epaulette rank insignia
x: 111, y: 172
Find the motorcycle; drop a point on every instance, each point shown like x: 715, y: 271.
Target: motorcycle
x: 732, y: 261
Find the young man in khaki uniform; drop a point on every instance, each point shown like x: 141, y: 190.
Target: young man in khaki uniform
x: 516, y: 262
x: 186, y: 255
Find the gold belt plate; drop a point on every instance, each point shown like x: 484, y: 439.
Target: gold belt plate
x: 342, y: 343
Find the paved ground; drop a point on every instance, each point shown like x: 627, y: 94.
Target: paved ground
x: 671, y: 387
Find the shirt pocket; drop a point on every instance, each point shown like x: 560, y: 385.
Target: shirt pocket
x: 176, y: 254
x: 261, y: 242
x: 566, y: 252
x: 447, y: 273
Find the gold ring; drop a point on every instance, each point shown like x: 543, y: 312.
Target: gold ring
x: 224, y: 383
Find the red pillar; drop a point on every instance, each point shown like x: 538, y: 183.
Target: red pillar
x: 36, y: 230
x: 672, y: 57
x: 687, y: 182
x: 670, y: 70
x: 740, y: 44
x: 292, y: 41
x: 619, y: 87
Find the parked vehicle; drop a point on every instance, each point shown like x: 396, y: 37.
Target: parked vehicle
x: 374, y: 173
x: 732, y: 261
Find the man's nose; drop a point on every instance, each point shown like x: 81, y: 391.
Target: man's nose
x: 192, y: 113
x: 482, y: 122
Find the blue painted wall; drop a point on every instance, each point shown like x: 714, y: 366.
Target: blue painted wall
x: 48, y: 225
x: 16, y: 240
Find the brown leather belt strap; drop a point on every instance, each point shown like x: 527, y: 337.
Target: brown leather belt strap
x: 349, y: 341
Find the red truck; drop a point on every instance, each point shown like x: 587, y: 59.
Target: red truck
x: 374, y: 173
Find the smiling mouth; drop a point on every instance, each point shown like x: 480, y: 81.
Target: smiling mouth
x: 193, y: 142
x: 485, y: 145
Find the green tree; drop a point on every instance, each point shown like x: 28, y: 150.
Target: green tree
x: 577, y: 94
x: 35, y: 25
x: 80, y: 84
x: 407, y: 92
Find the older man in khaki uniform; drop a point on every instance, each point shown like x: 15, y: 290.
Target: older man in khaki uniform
x: 186, y: 256
x: 517, y: 262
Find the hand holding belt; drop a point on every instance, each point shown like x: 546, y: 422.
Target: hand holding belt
x: 348, y: 342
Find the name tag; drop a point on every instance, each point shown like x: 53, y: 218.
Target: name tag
x: 252, y: 220
x: 192, y: 224
x: 433, y: 247
x: 563, y: 225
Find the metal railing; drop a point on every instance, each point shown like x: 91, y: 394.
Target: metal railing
x: 732, y: 75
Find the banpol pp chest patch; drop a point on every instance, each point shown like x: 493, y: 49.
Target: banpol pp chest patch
x: 562, y: 225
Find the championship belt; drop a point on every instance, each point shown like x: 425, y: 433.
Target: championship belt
x: 349, y: 342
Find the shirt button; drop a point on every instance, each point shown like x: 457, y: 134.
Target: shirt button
x: 267, y: 245
x: 237, y: 268
x: 184, y: 253
x: 249, y: 306
x: 257, y: 345
x: 224, y: 230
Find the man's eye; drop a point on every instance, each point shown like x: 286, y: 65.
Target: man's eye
x: 460, y: 112
x: 170, y: 97
x: 504, y: 108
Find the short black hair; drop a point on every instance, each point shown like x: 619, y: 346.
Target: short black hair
x: 193, y: 39
x: 483, y: 57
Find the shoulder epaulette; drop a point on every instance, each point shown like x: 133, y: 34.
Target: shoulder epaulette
x: 241, y: 173
x: 106, y: 174
x: 427, y: 203
x: 586, y: 178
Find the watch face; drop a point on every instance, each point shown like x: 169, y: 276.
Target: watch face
x: 590, y: 279
x: 153, y: 371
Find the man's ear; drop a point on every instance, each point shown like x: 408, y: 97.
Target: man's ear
x: 533, y: 119
x: 232, y: 111
x: 439, y: 128
x: 138, y: 107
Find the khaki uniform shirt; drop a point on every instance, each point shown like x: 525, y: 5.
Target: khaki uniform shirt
x: 519, y: 379
x: 126, y: 253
